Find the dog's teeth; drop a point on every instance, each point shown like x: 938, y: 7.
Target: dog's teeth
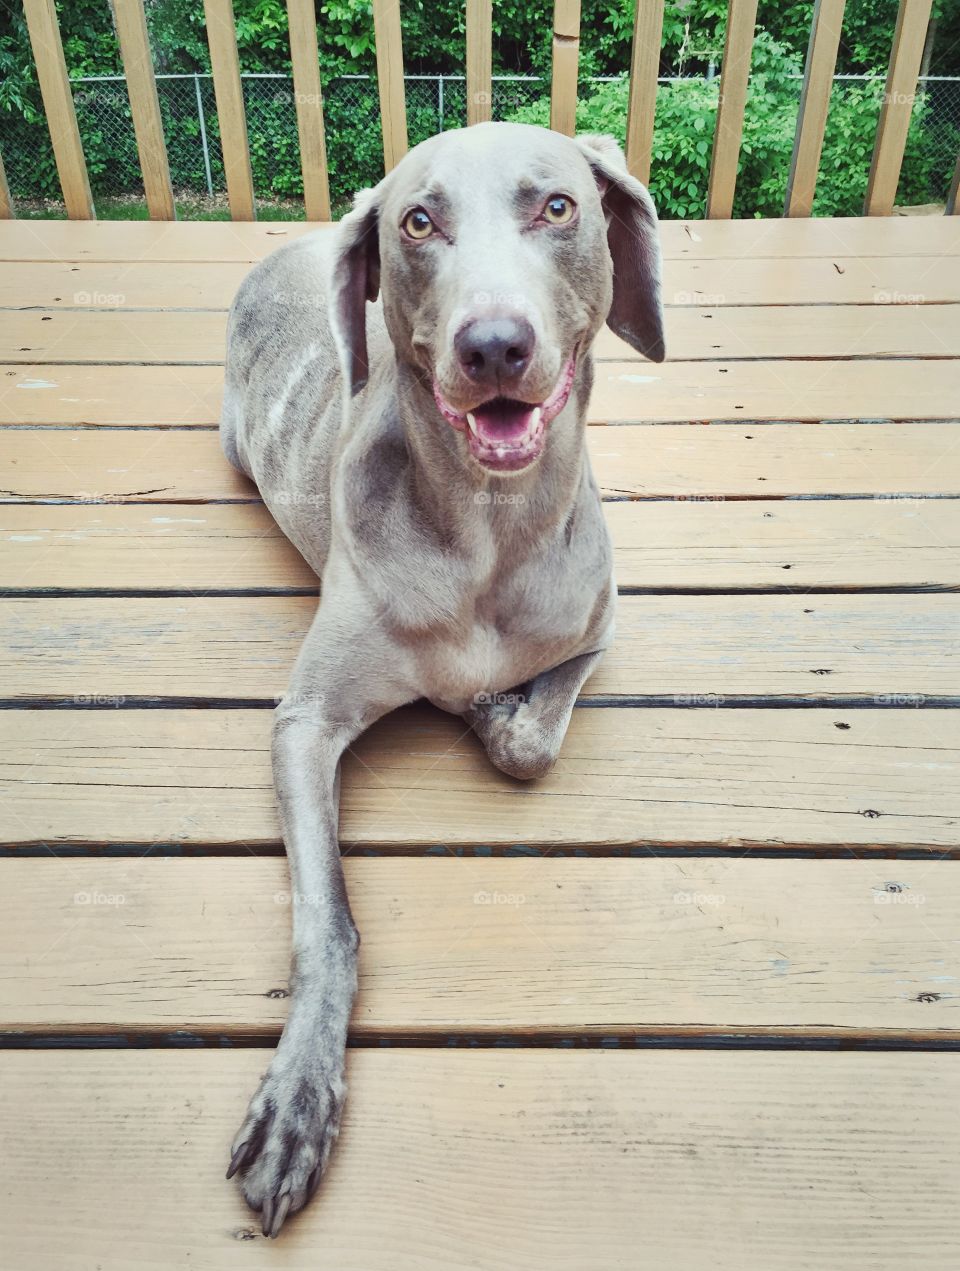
x: 500, y: 452
x: 472, y: 422
x: 536, y: 418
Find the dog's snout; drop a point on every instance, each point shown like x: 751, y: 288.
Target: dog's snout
x: 495, y: 352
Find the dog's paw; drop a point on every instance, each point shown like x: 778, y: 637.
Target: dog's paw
x: 521, y: 748
x: 285, y: 1141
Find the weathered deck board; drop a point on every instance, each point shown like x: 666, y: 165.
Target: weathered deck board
x: 792, y: 331
x: 200, y: 242
x: 780, y: 1160
x: 693, y: 948
x: 885, y: 647
x: 191, y: 241
x: 172, y: 396
x: 672, y: 1153
x: 907, y: 327
x: 731, y: 777
x: 99, y: 465
x: 673, y: 461
x: 843, y: 543
x: 180, y: 395
x: 80, y: 328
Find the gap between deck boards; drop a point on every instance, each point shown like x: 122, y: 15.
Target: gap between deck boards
x: 912, y: 1040
x: 598, y: 361
x: 693, y: 421
x: 9, y: 499
x: 173, y: 593
x: 679, y: 851
x: 710, y: 701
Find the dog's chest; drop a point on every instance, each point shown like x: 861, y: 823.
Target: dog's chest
x: 461, y: 674
x: 504, y: 642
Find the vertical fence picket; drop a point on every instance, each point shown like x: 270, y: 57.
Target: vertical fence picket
x: 479, y: 61
x: 6, y: 203
x: 105, y: 110
x: 305, y: 60
x: 644, y: 68
x: 227, y: 86
x: 734, y: 76
x: 566, y: 60
x: 58, y: 106
x: 814, y: 105
x: 202, y: 120
x: 913, y: 18
x: 134, y: 43
x: 393, y: 103
x: 952, y: 201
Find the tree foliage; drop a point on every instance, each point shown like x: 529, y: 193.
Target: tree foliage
x: 433, y: 34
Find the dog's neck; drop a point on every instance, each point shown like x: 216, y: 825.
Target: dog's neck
x: 456, y: 492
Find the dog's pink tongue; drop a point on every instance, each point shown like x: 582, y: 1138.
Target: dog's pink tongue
x: 503, y: 422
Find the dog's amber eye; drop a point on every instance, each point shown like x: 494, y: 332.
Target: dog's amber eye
x: 418, y: 224
x: 558, y: 209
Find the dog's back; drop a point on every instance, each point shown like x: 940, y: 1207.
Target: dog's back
x: 282, y: 404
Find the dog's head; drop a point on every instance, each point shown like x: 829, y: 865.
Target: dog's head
x: 500, y: 251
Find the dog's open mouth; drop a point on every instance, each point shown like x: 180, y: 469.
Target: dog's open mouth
x: 505, y: 434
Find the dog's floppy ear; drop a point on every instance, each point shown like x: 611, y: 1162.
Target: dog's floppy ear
x: 636, y: 314
x: 355, y: 279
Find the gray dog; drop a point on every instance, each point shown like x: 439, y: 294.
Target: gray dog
x: 426, y: 456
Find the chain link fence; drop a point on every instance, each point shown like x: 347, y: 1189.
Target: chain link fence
x: 351, y: 107
x: 939, y: 100
x: 354, y: 145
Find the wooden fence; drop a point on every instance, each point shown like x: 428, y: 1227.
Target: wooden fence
x: 905, y: 57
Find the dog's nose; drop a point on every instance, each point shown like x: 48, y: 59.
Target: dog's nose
x: 495, y: 352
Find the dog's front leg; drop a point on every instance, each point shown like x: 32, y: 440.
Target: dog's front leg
x: 285, y: 1141
x: 523, y: 738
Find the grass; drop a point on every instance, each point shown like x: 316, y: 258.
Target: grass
x: 133, y: 207
x: 195, y: 207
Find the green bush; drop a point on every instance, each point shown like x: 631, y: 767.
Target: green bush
x: 683, y: 140
x: 683, y: 134
x: 434, y: 38
x: 848, y: 148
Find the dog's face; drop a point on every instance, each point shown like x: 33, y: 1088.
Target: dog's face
x: 500, y: 251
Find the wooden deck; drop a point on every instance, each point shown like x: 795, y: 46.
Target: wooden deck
x: 691, y: 1001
